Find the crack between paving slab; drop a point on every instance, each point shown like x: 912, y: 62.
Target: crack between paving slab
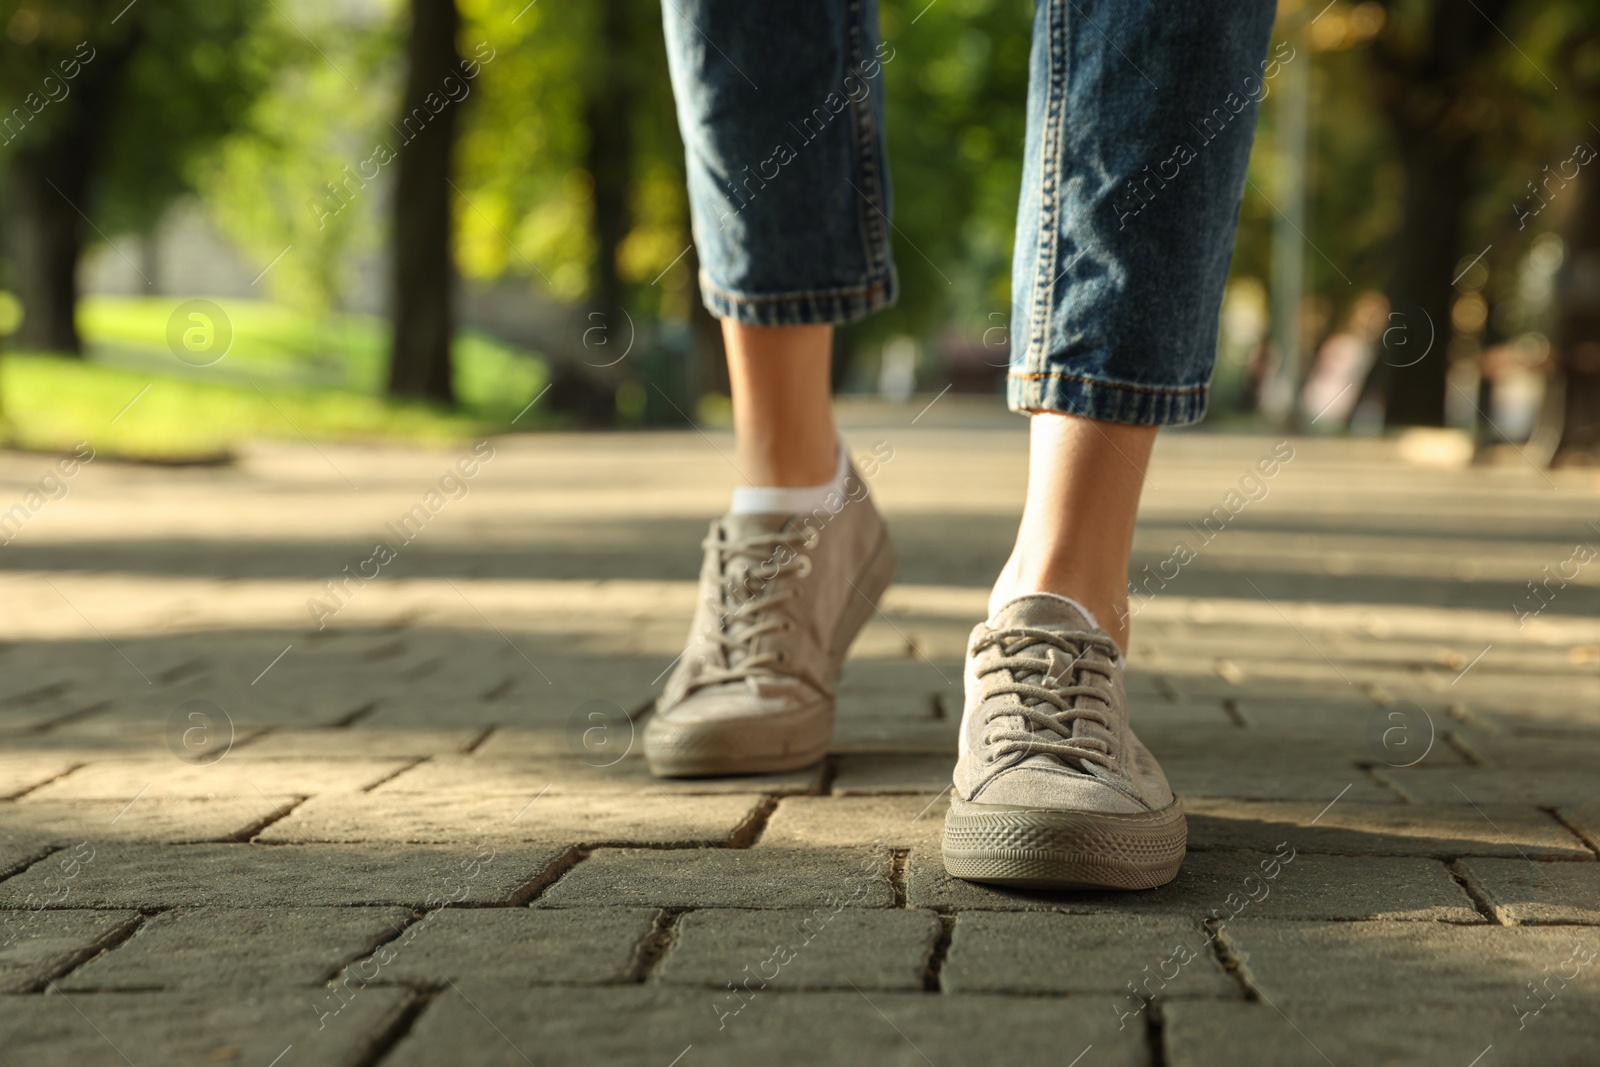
x: 1464, y: 749
x: 477, y: 742
x: 188, y: 668
x: 261, y: 824
x: 1371, y: 771
x: 40, y: 785
x: 500, y: 689
x: 897, y: 875
x: 830, y: 771
x: 71, y: 717
x: 105, y: 944
x: 1233, y: 962
x: 395, y: 1029
x: 647, y: 955
x: 1478, y: 895
x: 549, y: 876
x: 749, y: 831
x: 422, y: 670
x: 350, y: 718
x: 36, y: 696
x: 27, y: 862
x: 1155, y: 1030
x: 1592, y: 843
x: 391, y: 776
x: 932, y: 981
x: 387, y: 937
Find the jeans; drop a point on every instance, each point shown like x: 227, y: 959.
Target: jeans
x: 1140, y: 117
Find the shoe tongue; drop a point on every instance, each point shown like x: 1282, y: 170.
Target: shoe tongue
x: 1042, y: 611
x: 739, y: 526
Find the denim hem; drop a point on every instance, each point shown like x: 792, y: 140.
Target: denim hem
x: 1093, y: 398
x: 804, y: 308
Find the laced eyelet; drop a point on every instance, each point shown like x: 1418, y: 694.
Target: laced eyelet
x: 803, y: 568
x: 813, y: 539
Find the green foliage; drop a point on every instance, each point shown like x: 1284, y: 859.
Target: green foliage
x: 291, y: 177
x: 180, y: 81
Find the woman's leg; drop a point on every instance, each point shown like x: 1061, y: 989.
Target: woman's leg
x: 780, y: 105
x: 782, y: 403
x: 1076, y: 532
x: 1140, y: 117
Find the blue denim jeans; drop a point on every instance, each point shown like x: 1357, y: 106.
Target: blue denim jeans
x: 1140, y: 119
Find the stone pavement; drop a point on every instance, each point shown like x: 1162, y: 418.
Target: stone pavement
x: 423, y: 833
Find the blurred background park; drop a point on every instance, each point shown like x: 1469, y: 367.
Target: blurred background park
x: 425, y: 219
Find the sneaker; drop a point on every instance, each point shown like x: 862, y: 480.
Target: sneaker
x: 1052, y: 790
x: 781, y: 599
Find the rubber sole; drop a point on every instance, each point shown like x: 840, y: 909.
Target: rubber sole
x: 1040, y: 849
x: 761, y: 746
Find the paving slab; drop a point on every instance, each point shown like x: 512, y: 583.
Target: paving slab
x: 197, y: 949
x: 37, y: 945
x: 369, y: 740
x: 1492, y: 786
x: 566, y: 819
x: 870, y: 774
x: 1584, y: 820
x: 116, y: 1029
x: 486, y: 775
x: 20, y: 772
x: 1437, y: 965
x: 1220, y: 1034
x: 1521, y: 891
x: 502, y: 947
x: 160, y: 876
x: 170, y: 820
x: 727, y: 878
x: 1124, y: 957
x: 1571, y: 750
x: 1441, y: 831
x: 652, y: 1026
x: 1223, y: 885
x: 228, y: 776
x: 827, y: 947
x: 830, y: 822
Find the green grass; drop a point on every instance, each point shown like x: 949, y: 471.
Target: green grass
x: 286, y: 374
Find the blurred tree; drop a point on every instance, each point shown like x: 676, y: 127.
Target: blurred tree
x: 1577, y: 331
x: 104, y: 109
x: 424, y: 280
x: 1435, y: 83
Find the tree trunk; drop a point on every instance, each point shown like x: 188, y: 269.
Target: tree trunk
x: 53, y: 169
x: 1577, y: 329
x: 424, y: 279
x: 608, y: 112
x: 1421, y: 289
x: 49, y: 239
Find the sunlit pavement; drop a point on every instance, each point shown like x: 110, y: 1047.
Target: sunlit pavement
x: 423, y: 833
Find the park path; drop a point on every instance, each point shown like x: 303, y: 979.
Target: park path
x: 423, y: 833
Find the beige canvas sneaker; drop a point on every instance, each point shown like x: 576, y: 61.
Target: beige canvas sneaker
x: 781, y: 598
x: 1052, y: 789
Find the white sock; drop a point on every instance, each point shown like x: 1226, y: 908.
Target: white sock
x: 791, y: 500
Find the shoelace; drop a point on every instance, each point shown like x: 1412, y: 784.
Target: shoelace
x: 1048, y: 705
x: 747, y: 616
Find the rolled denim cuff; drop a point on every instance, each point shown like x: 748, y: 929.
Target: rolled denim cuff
x: 1093, y: 398
x: 806, y: 308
